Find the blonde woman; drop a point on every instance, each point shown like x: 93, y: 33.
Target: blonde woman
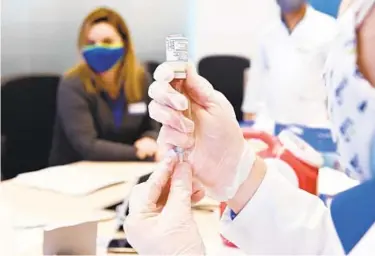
x: 102, y: 110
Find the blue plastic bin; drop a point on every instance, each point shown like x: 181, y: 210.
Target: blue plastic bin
x: 320, y: 139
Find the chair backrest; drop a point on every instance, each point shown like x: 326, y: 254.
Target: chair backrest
x: 28, y: 106
x: 151, y: 67
x: 226, y: 73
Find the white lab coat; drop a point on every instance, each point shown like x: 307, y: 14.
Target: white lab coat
x: 285, y: 80
x: 282, y: 219
x: 366, y: 245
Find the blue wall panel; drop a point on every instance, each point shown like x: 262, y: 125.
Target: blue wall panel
x: 327, y: 6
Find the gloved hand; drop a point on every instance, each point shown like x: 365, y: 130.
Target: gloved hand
x: 220, y: 157
x: 160, y: 221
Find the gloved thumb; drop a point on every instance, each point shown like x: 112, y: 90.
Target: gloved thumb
x: 179, y: 197
x: 196, y: 87
x: 199, y: 89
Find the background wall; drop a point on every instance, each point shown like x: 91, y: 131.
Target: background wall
x: 40, y: 35
x: 233, y: 27
x: 229, y: 27
x: 327, y: 6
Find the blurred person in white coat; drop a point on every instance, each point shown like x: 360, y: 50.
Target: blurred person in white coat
x: 266, y: 214
x: 285, y: 82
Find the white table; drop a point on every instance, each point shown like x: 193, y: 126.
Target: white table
x: 54, y: 207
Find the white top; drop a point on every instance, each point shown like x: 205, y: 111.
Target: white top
x: 286, y: 79
x: 366, y: 244
x: 302, y: 225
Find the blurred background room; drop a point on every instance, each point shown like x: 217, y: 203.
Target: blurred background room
x: 36, y: 34
x: 39, y: 49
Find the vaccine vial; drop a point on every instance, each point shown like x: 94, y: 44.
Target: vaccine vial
x: 177, y: 58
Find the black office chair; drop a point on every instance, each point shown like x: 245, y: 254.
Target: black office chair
x: 151, y: 67
x: 28, y: 106
x: 226, y: 73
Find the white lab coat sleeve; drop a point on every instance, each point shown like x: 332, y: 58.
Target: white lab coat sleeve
x: 255, y: 89
x: 366, y: 244
x: 282, y: 219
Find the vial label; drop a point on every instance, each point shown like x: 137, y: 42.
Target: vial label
x: 177, y: 48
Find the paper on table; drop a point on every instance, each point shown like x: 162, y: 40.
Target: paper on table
x: 67, y: 180
x: 27, y: 240
x: 23, y: 221
x: 14, y: 241
x: 332, y: 182
x: 75, y: 179
x: 15, y: 219
x: 7, y: 233
x: 90, y: 216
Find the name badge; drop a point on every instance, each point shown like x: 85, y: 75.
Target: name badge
x: 137, y: 108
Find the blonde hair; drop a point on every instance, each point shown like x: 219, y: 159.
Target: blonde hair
x: 131, y: 73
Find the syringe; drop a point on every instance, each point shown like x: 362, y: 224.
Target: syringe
x: 177, y: 58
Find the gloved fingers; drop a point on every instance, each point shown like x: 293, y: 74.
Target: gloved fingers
x: 170, y: 136
x: 199, y: 89
x: 198, y: 192
x: 162, y: 151
x: 158, y: 180
x: 168, y: 116
x: 138, y: 200
x: 145, y: 196
x: 164, y: 73
x: 179, y: 198
x: 163, y: 93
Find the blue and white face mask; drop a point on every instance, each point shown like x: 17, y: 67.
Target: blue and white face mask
x: 351, y: 98
x: 103, y: 57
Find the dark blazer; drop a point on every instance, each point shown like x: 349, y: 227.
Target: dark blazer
x: 85, y: 129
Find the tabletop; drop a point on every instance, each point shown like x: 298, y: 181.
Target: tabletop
x: 208, y: 224
x: 31, y: 206
x: 28, y: 204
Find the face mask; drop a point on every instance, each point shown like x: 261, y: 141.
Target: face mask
x: 101, y: 58
x: 351, y: 99
x: 289, y: 5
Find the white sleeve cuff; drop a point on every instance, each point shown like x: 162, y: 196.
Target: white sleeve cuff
x: 241, y: 173
x: 280, y: 219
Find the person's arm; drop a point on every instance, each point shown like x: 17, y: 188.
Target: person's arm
x: 254, y: 96
x: 78, y: 124
x: 274, y: 217
x: 149, y: 128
